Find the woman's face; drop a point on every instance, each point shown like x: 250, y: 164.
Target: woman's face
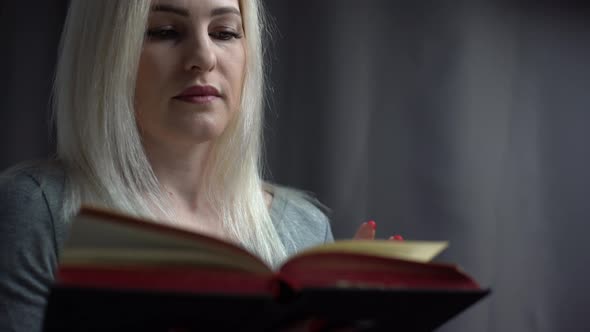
x: 191, y: 71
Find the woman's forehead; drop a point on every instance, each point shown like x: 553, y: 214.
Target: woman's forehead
x: 196, y: 4
x: 197, y: 8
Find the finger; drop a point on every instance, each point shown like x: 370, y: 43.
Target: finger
x: 366, y: 231
x: 396, y: 238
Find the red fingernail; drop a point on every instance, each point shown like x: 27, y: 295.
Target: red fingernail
x: 398, y: 238
x: 373, y: 224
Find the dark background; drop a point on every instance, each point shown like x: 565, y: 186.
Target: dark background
x: 457, y: 120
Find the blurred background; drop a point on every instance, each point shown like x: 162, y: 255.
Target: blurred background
x: 464, y: 121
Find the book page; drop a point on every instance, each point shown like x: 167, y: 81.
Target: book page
x: 100, y: 235
x: 162, y: 258
x: 416, y: 251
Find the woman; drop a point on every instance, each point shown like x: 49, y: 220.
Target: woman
x: 158, y: 111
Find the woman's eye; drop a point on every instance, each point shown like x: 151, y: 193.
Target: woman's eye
x: 163, y: 33
x: 225, y: 35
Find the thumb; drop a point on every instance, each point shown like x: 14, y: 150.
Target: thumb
x: 366, y: 231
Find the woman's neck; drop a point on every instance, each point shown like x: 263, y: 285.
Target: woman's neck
x: 180, y: 173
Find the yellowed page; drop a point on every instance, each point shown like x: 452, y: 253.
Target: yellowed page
x: 417, y: 251
x: 125, y: 257
x: 99, y: 233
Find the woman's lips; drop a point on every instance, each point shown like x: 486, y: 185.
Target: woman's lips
x: 197, y: 99
x: 199, y: 94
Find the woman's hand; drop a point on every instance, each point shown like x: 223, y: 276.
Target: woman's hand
x: 367, y: 232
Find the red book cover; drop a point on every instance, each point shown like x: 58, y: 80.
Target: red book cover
x: 134, y: 274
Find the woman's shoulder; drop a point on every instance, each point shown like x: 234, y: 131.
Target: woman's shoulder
x: 31, y: 229
x: 299, y: 217
x: 33, y: 193
x: 290, y: 202
x: 31, y: 178
x: 45, y: 172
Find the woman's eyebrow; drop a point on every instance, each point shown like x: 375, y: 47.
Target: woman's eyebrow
x: 185, y: 13
x: 171, y: 9
x: 225, y: 10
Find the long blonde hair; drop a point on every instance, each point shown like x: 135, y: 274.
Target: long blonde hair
x: 99, y: 143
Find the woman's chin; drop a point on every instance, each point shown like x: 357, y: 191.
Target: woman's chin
x: 202, y: 126
x: 202, y: 133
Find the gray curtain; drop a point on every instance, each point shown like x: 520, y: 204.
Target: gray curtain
x: 463, y: 121
x: 28, y: 50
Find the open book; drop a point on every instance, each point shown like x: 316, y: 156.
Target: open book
x: 112, y: 252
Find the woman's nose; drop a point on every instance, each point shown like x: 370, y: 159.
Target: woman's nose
x: 201, y: 55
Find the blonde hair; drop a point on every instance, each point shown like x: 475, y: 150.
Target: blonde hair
x: 99, y: 143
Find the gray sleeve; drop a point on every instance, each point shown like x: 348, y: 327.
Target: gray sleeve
x: 302, y: 223
x: 328, y: 237
x: 28, y: 254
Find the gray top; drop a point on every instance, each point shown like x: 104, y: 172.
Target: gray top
x: 33, y: 229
